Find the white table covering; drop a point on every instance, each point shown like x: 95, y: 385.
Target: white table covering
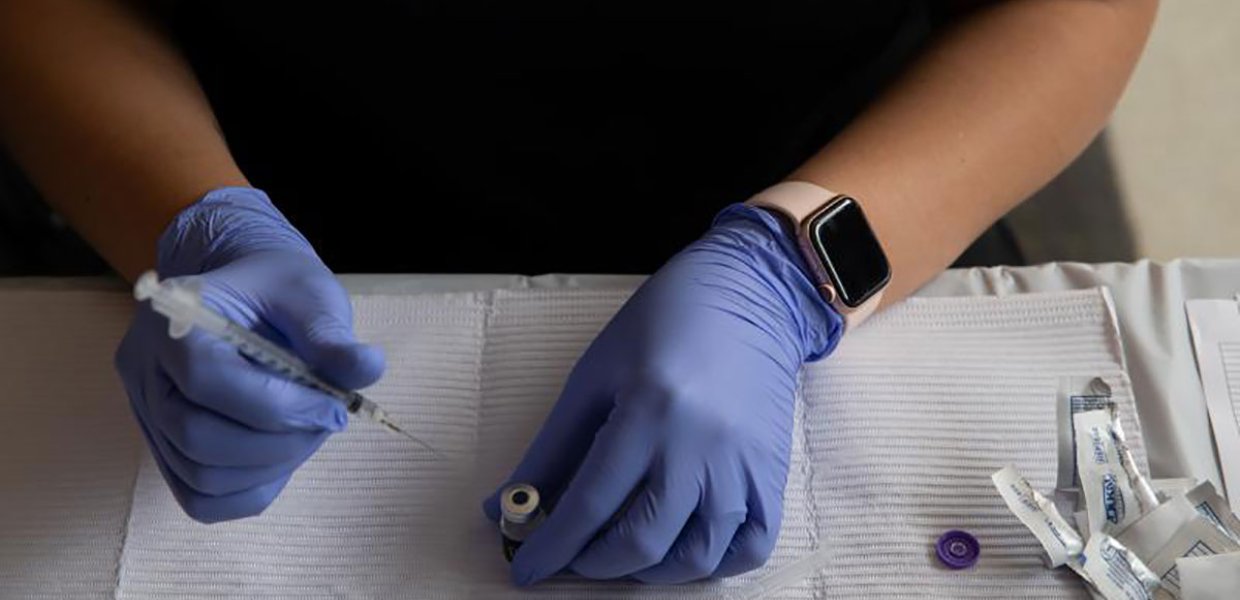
x: 1148, y: 299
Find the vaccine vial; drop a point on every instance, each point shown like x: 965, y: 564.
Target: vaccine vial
x: 520, y: 515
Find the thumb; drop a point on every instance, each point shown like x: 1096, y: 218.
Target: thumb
x: 344, y: 361
x: 322, y: 335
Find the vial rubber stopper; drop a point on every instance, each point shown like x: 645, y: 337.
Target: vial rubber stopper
x: 958, y: 549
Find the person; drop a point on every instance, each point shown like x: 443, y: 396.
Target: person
x: 425, y: 136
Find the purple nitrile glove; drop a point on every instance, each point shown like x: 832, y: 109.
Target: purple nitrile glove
x: 227, y: 433
x: 684, y: 403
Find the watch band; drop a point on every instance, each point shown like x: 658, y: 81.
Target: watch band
x: 798, y: 202
x: 795, y: 200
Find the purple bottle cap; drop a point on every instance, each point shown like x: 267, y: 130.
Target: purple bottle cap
x: 957, y: 549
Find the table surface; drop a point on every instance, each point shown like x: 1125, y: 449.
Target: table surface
x: 1149, y: 301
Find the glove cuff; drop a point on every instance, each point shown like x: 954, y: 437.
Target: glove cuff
x: 817, y: 323
x: 223, y: 226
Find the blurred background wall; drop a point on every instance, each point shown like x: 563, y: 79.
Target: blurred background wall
x: 1176, y: 135
x: 1164, y: 180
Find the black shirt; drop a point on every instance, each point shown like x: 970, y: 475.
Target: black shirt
x: 530, y: 137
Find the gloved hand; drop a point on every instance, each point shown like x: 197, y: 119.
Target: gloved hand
x: 684, y: 403
x: 226, y: 432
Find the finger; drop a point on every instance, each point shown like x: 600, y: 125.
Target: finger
x: 701, y: 544
x: 317, y: 321
x: 213, y: 509
x: 222, y: 481
x: 646, y: 531
x: 349, y: 365
x: 214, y: 375
x: 565, y: 437
x: 210, y: 439
x: 754, y: 541
x: 200, y: 507
x: 612, y: 468
x: 697, y: 552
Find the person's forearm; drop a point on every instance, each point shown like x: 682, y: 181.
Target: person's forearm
x: 995, y: 108
x: 108, y: 120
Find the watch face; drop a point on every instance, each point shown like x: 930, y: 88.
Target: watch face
x: 851, y: 255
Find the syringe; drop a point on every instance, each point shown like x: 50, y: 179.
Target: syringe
x: 181, y: 302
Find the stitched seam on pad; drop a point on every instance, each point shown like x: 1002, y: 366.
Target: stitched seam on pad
x: 487, y: 301
x: 801, y: 409
x: 119, y: 575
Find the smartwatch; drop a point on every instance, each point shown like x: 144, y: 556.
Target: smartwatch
x: 844, y: 257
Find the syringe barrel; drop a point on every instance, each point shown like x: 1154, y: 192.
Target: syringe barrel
x: 181, y: 302
x: 267, y: 353
x: 272, y: 356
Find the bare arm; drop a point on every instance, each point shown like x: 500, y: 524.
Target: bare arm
x: 1001, y: 103
x: 102, y: 112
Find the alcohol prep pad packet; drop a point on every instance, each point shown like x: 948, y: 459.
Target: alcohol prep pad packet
x: 1076, y: 395
x: 1172, y: 487
x: 1059, y: 541
x: 1207, y: 501
x: 1150, y: 534
x: 1198, y: 537
x: 1115, y: 493
x: 1209, y: 577
x: 1115, y: 572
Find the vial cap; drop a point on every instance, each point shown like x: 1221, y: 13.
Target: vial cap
x: 958, y: 549
x: 518, y: 502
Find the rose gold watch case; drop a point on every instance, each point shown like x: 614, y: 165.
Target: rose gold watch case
x: 800, y: 204
x: 853, y: 315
